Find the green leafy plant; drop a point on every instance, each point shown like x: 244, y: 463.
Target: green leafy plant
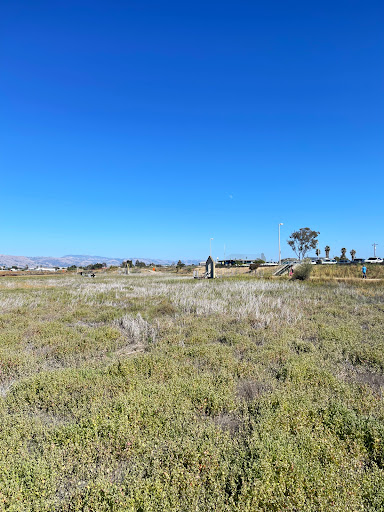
x: 179, y: 265
x: 302, y: 241
x: 302, y: 272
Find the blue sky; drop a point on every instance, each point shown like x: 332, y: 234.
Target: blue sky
x: 146, y: 128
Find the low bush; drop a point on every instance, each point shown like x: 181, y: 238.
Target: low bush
x: 302, y: 272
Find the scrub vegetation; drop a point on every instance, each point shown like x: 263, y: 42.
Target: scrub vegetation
x: 374, y: 271
x: 148, y: 393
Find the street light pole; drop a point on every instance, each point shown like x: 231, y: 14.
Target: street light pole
x: 374, y: 249
x: 210, y: 246
x: 281, y: 224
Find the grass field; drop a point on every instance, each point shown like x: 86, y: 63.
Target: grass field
x: 374, y: 271
x: 147, y: 393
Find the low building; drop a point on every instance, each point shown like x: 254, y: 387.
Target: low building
x: 240, y: 260
x: 235, y: 263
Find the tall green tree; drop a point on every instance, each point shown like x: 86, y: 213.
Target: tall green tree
x: 302, y: 241
x: 327, y: 250
x: 353, y: 254
x: 343, y: 254
x: 179, y: 265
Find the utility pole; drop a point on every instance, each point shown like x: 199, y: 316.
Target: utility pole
x: 374, y: 249
x: 281, y: 224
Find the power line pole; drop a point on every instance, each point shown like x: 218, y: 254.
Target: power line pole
x: 374, y: 249
x: 281, y: 224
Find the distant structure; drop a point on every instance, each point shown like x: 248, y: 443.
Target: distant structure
x: 210, y: 272
x: 240, y: 260
x: 245, y: 256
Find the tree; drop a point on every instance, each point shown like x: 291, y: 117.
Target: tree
x: 343, y: 254
x: 94, y: 266
x: 179, y: 265
x: 302, y: 241
x: 353, y: 254
x: 126, y: 263
x: 327, y: 251
x: 317, y: 252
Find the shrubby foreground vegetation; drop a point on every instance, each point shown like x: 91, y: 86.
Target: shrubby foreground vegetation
x: 132, y: 393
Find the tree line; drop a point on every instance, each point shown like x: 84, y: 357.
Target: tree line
x: 305, y: 239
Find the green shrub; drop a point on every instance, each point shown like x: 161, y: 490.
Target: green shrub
x: 302, y: 272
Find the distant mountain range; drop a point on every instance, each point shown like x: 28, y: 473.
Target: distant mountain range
x: 78, y: 260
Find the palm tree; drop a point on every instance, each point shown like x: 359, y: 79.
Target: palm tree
x: 343, y: 254
x: 353, y: 254
x: 327, y: 249
x: 317, y: 252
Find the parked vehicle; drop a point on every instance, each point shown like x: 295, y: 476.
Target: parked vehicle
x: 358, y: 261
x: 326, y: 261
x: 374, y: 260
x: 343, y: 262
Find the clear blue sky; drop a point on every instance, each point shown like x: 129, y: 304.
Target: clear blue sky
x: 141, y: 128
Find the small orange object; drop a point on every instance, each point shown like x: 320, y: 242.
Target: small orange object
x: 154, y: 269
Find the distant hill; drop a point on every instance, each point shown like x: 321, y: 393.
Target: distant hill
x: 78, y: 260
